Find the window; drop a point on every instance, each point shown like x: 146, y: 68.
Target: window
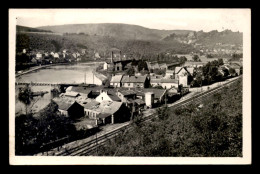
x: 128, y: 84
x: 101, y: 98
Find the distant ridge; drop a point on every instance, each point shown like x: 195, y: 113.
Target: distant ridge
x: 124, y: 31
x: 20, y: 28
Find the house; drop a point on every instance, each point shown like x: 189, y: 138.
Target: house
x: 125, y: 95
x: 71, y: 94
x: 116, y: 81
x: 107, y: 111
x: 194, y: 64
x: 34, y: 60
x: 236, y: 67
x: 73, y: 110
x: 107, y: 95
x: 155, y: 82
x: 184, y: 75
x: 83, y: 51
x: 169, y: 83
x: 96, y: 55
x: 81, y: 90
x: 38, y: 56
x: 155, y: 66
x: 56, y: 55
x: 169, y: 74
x: 159, y: 94
x: 135, y: 81
x: 99, y: 79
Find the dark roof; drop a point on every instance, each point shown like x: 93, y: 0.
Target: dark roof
x: 134, y: 79
x: 139, y: 101
x: 113, y: 96
x: 157, y: 92
x: 81, y: 89
x: 64, y: 105
x: 91, y: 104
x: 169, y: 81
x: 127, y: 92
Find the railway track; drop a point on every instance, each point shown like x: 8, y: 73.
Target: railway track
x: 90, y: 147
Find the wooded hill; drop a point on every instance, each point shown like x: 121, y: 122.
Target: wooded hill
x: 130, y: 39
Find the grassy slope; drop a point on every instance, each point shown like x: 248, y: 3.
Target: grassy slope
x: 123, y: 31
x: 215, y: 130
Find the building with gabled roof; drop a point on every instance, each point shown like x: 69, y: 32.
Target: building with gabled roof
x: 159, y: 94
x: 116, y: 81
x: 169, y: 83
x: 107, y: 95
x: 107, y: 111
x: 135, y: 81
x: 69, y: 109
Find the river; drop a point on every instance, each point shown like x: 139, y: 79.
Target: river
x: 77, y: 73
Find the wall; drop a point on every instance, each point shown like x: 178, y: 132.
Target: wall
x: 115, y: 84
x: 169, y: 85
x: 90, y: 113
x: 63, y: 112
x: 128, y: 86
x: 183, y: 80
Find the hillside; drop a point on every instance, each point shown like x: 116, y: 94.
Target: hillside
x: 102, y: 44
x: 130, y: 39
x: 123, y: 31
x: 213, y: 130
x: 208, y: 39
x: 29, y: 29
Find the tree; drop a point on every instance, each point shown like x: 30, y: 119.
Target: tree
x: 31, y: 133
x: 130, y: 71
x: 220, y: 62
x: 25, y: 95
x: 182, y: 59
x: 195, y: 58
x: 232, y: 71
x: 142, y: 65
x: 163, y: 113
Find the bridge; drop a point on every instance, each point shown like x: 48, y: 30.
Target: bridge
x: 46, y: 84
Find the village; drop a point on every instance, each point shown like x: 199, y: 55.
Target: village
x: 126, y: 95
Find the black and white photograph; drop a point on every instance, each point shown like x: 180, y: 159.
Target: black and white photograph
x: 129, y: 86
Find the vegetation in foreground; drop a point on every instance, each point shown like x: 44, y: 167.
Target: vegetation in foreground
x: 212, y: 128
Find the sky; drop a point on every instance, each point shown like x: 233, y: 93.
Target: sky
x: 167, y: 19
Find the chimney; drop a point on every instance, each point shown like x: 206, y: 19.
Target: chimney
x: 112, y: 55
x: 120, y: 56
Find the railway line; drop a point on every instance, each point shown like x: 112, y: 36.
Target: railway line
x: 91, y: 147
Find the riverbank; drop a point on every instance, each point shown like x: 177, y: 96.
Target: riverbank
x: 44, y: 66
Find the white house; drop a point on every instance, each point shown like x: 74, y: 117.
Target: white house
x: 56, y: 55
x: 169, y: 74
x: 38, y: 56
x: 169, y: 83
x: 105, y: 66
x: 107, y: 96
x: 116, y: 81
